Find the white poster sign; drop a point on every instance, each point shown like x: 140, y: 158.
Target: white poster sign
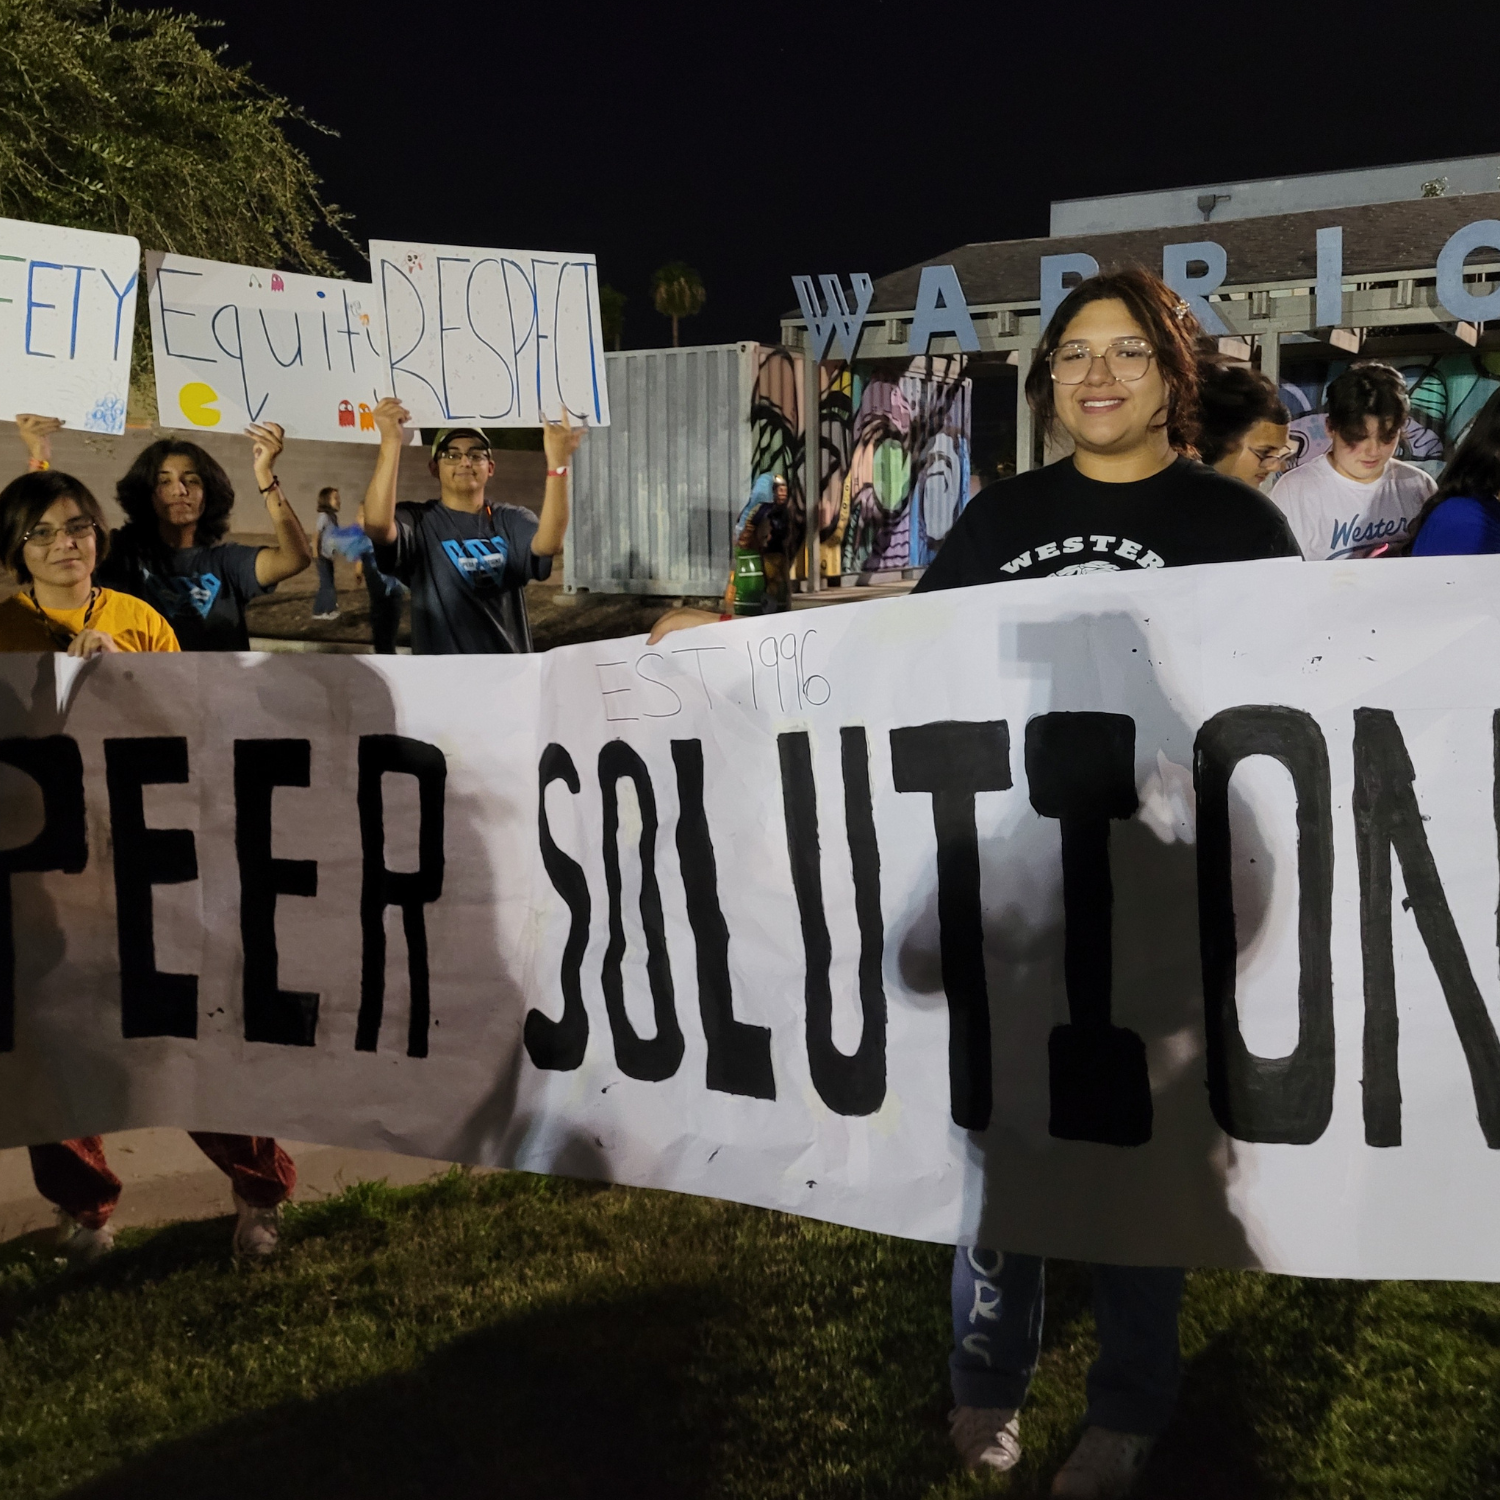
x: 496, y: 338
x: 239, y: 344
x: 67, y: 314
x: 1139, y: 917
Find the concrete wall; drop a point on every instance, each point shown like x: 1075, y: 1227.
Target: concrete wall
x: 304, y: 468
x: 1273, y: 195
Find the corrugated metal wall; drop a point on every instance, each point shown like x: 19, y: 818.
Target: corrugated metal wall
x: 657, y: 492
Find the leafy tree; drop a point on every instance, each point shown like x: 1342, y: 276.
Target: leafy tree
x: 612, y: 315
x: 677, y: 292
x: 121, y: 120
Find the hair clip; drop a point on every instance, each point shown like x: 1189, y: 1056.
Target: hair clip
x: 1180, y: 311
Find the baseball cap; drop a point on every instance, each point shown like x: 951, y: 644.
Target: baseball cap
x: 445, y: 435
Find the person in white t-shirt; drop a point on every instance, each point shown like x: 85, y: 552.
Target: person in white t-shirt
x: 1358, y: 499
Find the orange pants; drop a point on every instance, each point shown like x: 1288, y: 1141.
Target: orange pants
x: 76, y: 1177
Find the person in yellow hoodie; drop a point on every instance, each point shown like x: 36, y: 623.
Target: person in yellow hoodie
x: 52, y: 536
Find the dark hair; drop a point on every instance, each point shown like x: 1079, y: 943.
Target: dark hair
x: 1368, y: 388
x: 1169, y: 325
x: 24, y: 501
x: 1233, y: 398
x: 1474, y: 470
x: 136, y: 493
x: 323, y: 494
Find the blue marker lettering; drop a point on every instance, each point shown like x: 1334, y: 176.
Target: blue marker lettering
x: 588, y: 302
x: 120, y: 296
x: 237, y: 354
x: 32, y: 303
x: 444, y: 329
x: 516, y: 348
x: 178, y: 312
x: 296, y: 358
x: 510, y: 377
x: 536, y: 282
x: 395, y: 361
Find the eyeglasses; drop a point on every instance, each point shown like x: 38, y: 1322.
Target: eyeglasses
x: 44, y: 536
x: 1275, y: 456
x: 465, y: 455
x: 1125, y: 359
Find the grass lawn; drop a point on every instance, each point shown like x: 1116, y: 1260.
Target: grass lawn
x: 508, y: 1335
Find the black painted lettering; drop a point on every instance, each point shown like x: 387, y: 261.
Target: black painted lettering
x: 1282, y: 1099
x: 739, y: 1055
x: 649, y: 1058
x: 57, y: 768
x: 288, y: 1018
x: 411, y: 891
x: 151, y: 1003
x: 1080, y: 769
x: 954, y: 761
x: 849, y: 1083
x: 561, y: 1044
x: 1386, y: 816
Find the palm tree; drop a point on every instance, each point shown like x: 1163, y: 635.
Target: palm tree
x: 677, y: 292
x: 612, y: 316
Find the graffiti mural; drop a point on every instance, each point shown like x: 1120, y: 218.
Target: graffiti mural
x: 894, y: 440
x: 909, y: 469
x: 776, y: 444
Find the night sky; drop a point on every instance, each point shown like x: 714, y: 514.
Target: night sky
x: 758, y: 141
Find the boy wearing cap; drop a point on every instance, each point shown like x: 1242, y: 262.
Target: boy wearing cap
x: 465, y: 560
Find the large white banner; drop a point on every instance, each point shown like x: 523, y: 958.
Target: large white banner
x: 239, y: 344
x: 67, y: 313
x: 1144, y: 917
x: 496, y: 338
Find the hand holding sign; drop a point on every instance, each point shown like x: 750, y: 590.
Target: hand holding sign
x: 561, y: 439
x: 266, y: 442
x: 391, y: 419
x: 36, y: 433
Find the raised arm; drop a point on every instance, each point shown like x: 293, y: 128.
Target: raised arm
x: 36, y: 433
x: 560, y: 440
x: 380, y: 497
x: 291, y: 554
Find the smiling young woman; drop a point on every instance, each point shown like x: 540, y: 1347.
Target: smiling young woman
x: 1117, y: 369
x: 52, y: 538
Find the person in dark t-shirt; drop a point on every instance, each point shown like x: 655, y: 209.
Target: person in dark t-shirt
x: 1117, y: 369
x: 465, y: 559
x: 171, y: 553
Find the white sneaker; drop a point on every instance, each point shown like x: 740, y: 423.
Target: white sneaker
x: 987, y: 1437
x: 330, y: 614
x: 1104, y: 1466
x: 257, y: 1232
x: 81, y: 1244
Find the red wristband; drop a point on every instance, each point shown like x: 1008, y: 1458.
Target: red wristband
x: 557, y: 473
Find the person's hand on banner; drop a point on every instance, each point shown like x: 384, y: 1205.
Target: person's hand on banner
x: 36, y: 433
x: 560, y: 440
x: 390, y: 419
x: 681, y: 618
x: 93, y: 643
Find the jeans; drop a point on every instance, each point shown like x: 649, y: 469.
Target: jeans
x: 76, y: 1177
x: 386, y: 594
x: 327, y: 600
x: 997, y: 1335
